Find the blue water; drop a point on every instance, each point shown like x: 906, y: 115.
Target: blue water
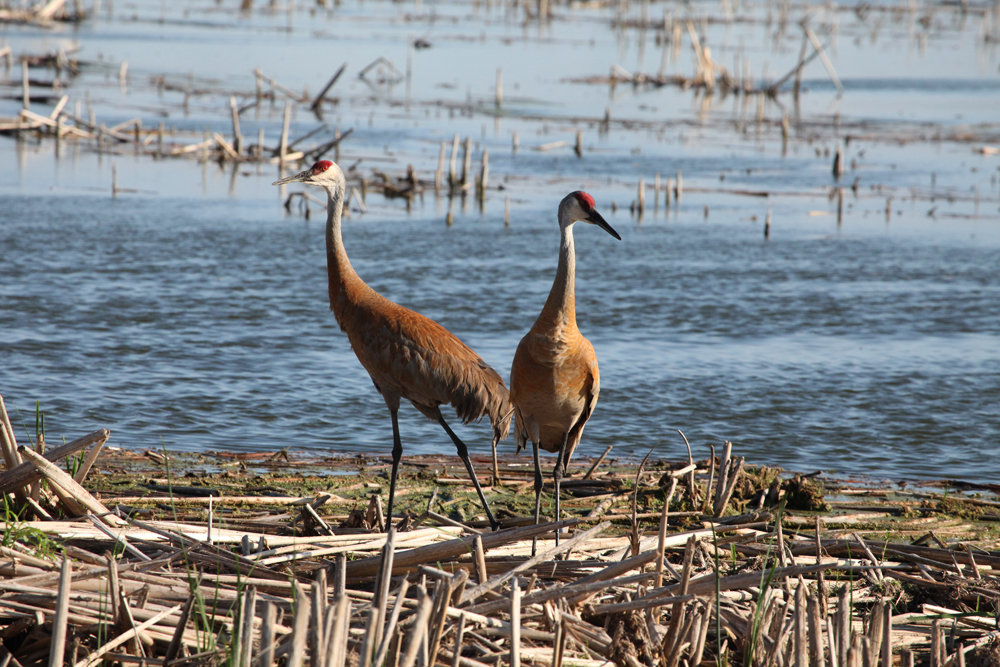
x: 192, y: 313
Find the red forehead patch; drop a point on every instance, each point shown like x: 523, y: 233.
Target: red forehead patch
x: 585, y: 200
x: 321, y: 166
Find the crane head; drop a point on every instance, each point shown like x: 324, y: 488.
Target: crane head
x: 324, y: 173
x: 579, y: 206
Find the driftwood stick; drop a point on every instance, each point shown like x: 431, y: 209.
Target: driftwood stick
x: 730, y: 487
x: 175, y: 643
x: 876, y: 624
x: 241, y: 564
x: 843, y: 625
x: 692, y: 487
x: 274, y: 84
x: 480, y: 560
x: 706, y: 584
x: 65, y: 482
x: 7, y: 439
x: 267, y: 636
x: 887, y: 637
x: 660, y: 549
x: 418, y: 631
x: 237, y: 134
x: 574, y: 593
x: 25, y: 86
x: 640, y: 604
x: 548, y: 555
x: 776, y: 86
x: 459, y: 637
x: 57, y: 651
x: 442, y: 550
x: 725, y: 467
x: 390, y: 630
x: 698, y: 649
x: 711, y: 469
x: 515, y: 625
x: 452, y: 175
x: 95, y: 656
x: 677, y: 614
x: 301, y: 629
x: 801, y: 625
x: 245, y: 654
x: 8, y: 445
x: 440, y: 170
x: 283, y: 145
x: 27, y: 473
x: 826, y: 61
x: 88, y: 462
x: 382, y: 582
x: 815, y: 631
x: 49, y: 10
x: 117, y: 537
x: 443, y: 593
x: 600, y: 459
x: 466, y: 160
x: 338, y: 639
x: 319, y: 98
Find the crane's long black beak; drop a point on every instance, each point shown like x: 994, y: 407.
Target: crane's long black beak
x: 595, y: 219
x: 297, y: 178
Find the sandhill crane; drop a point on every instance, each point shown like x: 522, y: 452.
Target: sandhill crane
x: 406, y: 354
x: 554, y: 381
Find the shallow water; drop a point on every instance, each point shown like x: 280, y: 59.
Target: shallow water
x: 192, y: 314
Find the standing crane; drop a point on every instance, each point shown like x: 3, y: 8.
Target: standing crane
x: 554, y: 382
x: 406, y: 354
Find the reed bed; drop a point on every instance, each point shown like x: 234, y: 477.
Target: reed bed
x: 49, y: 79
x: 725, y: 572
x: 43, y: 14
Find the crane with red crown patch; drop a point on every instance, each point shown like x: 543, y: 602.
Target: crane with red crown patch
x: 554, y: 380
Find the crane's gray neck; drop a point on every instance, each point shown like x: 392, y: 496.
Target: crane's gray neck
x: 339, y: 269
x: 560, y: 307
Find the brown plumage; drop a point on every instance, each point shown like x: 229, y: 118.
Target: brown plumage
x: 554, y: 381
x: 407, y: 355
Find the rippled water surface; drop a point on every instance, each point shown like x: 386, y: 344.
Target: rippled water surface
x: 192, y: 313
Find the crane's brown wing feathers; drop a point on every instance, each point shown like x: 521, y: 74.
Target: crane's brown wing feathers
x: 418, y: 359
x: 591, y: 390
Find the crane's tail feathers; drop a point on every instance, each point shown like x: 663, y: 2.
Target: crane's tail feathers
x: 484, y: 394
x: 501, y: 418
x: 502, y: 430
x: 520, y: 433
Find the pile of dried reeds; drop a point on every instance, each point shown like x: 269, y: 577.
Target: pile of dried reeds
x: 130, y: 137
x: 286, y: 585
x: 41, y: 13
x: 710, y: 75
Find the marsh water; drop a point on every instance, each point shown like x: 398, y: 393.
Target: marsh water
x: 190, y: 312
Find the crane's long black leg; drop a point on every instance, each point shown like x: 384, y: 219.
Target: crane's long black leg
x: 463, y: 452
x: 539, y: 482
x: 397, y: 454
x: 557, y: 475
